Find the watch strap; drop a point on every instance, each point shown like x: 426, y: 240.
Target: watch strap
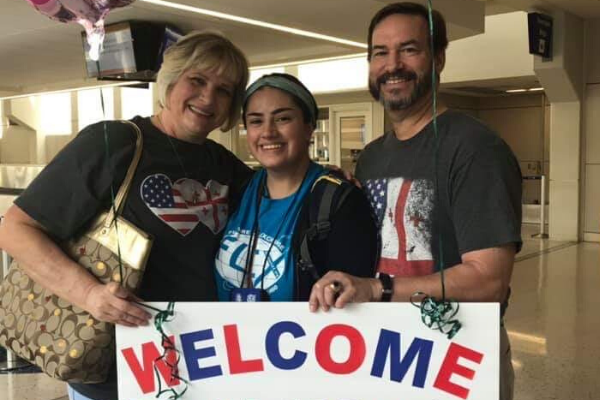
x: 387, y: 289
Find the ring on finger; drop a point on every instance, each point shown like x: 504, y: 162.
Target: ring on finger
x: 335, y: 286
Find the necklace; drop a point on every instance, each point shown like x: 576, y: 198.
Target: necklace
x: 190, y: 189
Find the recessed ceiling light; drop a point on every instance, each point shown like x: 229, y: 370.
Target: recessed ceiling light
x: 536, y: 89
x: 256, y: 22
x: 516, y: 90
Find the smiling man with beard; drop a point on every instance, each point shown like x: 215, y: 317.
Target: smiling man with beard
x: 446, y: 194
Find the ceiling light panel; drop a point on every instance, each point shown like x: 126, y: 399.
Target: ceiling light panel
x: 255, y: 22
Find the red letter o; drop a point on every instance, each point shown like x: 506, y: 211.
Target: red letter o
x: 323, y: 349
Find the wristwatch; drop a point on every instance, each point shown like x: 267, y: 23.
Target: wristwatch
x: 387, y: 284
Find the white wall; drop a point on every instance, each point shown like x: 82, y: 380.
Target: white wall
x: 501, y: 52
x: 591, y: 134
x: 521, y: 122
x: 18, y: 146
x: 565, y: 161
x: 593, y: 51
x: 591, y: 165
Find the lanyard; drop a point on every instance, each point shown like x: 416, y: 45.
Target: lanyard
x: 252, y: 242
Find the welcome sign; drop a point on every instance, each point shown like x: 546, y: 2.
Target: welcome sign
x: 280, y: 351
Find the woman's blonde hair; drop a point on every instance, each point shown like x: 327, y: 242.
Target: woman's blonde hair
x: 205, y: 51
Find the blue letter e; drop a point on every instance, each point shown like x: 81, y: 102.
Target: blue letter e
x: 192, y: 355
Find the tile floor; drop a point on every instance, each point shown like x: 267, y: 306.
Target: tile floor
x: 553, y: 324
x: 552, y: 321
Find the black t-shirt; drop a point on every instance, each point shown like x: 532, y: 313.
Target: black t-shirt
x: 477, y: 204
x: 181, y: 194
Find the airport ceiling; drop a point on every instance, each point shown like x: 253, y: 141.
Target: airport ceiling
x: 38, y: 54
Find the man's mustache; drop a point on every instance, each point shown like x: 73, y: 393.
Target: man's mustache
x: 398, y: 74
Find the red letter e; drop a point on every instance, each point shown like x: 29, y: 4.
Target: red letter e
x: 451, y: 366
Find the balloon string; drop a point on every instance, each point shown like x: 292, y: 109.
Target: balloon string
x: 170, y: 356
x: 112, y: 189
x: 437, y: 314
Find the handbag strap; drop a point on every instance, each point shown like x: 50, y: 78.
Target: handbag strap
x: 124, y: 189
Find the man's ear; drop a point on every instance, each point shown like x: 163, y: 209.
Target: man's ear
x: 440, y: 61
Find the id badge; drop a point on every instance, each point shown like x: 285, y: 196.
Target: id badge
x: 248, y: 295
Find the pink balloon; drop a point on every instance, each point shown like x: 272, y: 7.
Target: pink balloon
x: 38, y: 2
x: 75, y: 10
x: 89, y: 13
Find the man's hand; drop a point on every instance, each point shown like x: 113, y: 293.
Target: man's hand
x: 336, y: 289
x: 347, y: 174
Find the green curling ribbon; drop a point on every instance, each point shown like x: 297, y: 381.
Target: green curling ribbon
x: 171, y: 356
x: 438, y: 314
x: 112, y: 190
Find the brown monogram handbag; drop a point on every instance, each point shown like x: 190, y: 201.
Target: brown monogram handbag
x: 66, y: 342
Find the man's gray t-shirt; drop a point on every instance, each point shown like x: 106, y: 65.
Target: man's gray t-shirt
x: 477, y: 204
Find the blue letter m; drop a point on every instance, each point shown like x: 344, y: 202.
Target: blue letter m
x: 389, y: 343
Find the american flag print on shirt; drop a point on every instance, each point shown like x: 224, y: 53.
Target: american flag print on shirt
x: 404, y: 211
x: 186, y: 203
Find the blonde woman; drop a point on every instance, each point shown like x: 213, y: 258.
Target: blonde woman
x: 181, y: 194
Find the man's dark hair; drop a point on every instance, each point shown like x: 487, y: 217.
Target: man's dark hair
x: 440, y: 37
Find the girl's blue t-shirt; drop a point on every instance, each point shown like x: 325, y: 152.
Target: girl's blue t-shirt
x: 273, y: 264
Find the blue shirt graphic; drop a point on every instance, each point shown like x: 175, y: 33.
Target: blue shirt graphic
x: 273, y: 263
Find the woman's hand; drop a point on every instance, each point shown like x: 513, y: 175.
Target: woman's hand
x: 46, y: 263
x: 336, y: 289
x: 112, y: 303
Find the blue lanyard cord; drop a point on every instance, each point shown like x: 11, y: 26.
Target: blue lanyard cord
x: 437, y: 314
x: 256, y: 229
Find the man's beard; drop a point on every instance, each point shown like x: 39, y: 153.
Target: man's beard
x: 422, y: 87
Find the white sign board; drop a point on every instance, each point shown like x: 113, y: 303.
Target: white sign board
x: 280, y: 351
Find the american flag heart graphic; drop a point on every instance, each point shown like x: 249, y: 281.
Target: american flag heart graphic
x: 186, y: 203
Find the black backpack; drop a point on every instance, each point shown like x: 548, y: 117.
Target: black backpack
x: 326, y: 197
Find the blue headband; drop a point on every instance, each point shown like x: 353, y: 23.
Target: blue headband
x: 288, y: 86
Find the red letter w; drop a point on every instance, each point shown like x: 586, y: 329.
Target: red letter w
x: 145, y: 375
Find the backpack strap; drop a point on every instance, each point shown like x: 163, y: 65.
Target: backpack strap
x: 332, y: 191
